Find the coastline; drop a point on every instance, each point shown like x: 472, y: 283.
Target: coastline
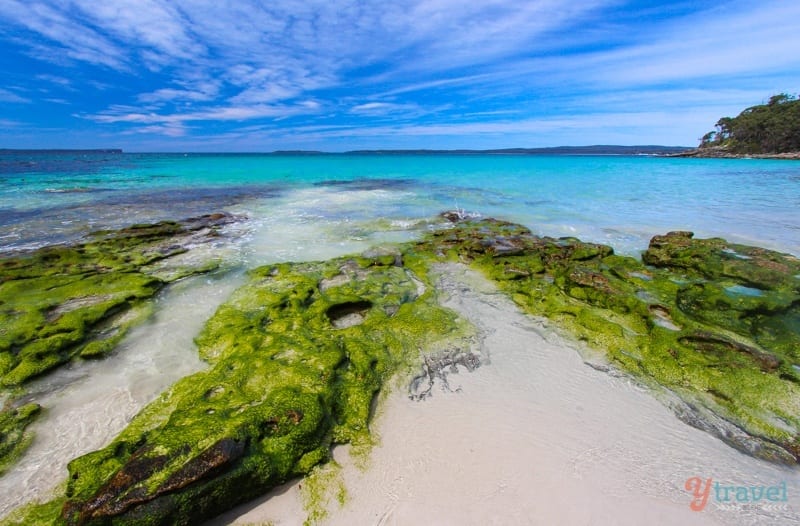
x: 508, y: 255
x: 324, y: 212
x: 717, y: 153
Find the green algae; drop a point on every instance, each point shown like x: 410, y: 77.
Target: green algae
x: 298, y: 355
x: 62, y: 303
x: 35, y: 514
x: 14, y: 437
x: 296, y: 358
x: 320, y: 489
x: 676, y: 320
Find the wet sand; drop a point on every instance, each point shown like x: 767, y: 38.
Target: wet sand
x: 533, y: 436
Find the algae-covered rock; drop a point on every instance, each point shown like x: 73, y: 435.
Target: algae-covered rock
x: 297, y: 355
x: 13, y: 436
x: 63, y: 302
x: 714, y: 322
x: 287, y: 379
x: 59, y: 302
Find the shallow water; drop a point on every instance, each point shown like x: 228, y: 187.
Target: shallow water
x: 622, y: 201
x: 89, y: 403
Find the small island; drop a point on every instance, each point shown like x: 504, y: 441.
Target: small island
x: 768, y: 131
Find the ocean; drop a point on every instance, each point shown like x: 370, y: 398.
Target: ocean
x: 617, y: 200
x: 534, y: 436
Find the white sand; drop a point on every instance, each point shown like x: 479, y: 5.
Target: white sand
x: 533, y: 437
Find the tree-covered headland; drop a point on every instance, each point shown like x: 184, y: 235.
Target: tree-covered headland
x: 769, y: 128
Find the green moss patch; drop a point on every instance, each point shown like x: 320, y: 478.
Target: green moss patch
x: 298, y: 354
x: 715, y: 322
x: 60, y: 303
x: 287, y: 379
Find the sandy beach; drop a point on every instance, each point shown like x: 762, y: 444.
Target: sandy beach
x: 533, y: 436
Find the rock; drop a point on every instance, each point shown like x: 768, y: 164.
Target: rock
x: 294, y: 367
x: 14, y: 437
x: 297, y: 355
x: 60, y: 303
x: 710, y: 317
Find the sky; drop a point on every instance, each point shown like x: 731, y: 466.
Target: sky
x: 337, y: 75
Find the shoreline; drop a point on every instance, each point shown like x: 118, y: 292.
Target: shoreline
x: 506, y: 241
x: 713, y: 153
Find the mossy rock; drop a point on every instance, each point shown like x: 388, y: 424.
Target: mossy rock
x: 287, y: 379
x: 58, y: 300
x: 14, y: 437
x: 297, y: 355
x: 715, y: 322
x: 60, y: 303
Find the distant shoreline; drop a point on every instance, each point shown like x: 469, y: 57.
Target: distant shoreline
x: 716, y: 153
x: 654, y: 150
x: 59, y: 150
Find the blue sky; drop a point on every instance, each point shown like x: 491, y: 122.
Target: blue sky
x: 217, y: 75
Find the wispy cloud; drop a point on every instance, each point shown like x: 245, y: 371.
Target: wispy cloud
x: 10, y: 96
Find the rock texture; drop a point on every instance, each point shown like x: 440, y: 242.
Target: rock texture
x: 288, y: 377
x: 62, y: 303
x: 716, y: 323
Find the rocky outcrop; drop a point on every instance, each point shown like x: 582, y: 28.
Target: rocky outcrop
x: 61, y: 303
x: 712, y: 152
x: 296, y: 358
x: 714, y: 322
x: 298, y: 354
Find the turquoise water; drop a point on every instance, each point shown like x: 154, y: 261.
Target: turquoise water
x: 621, y: 201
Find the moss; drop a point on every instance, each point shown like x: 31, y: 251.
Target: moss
x: 286, y: 381
x: 320, y: 489
x: 718, y: 323
x: 56, y: 301
x: 298, y: 355
x: 35, y: 514
x: 61, y: 303
x: 14, y: 437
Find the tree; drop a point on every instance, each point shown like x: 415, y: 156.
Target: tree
x: 773, y: 127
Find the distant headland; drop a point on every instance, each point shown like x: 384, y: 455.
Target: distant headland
x: 600, y: 149
x: 765, y: 131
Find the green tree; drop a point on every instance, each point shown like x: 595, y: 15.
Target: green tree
x: 773, y: 127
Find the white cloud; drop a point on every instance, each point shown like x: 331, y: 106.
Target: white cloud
x: 10, y: 96
x: 383, y: 108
